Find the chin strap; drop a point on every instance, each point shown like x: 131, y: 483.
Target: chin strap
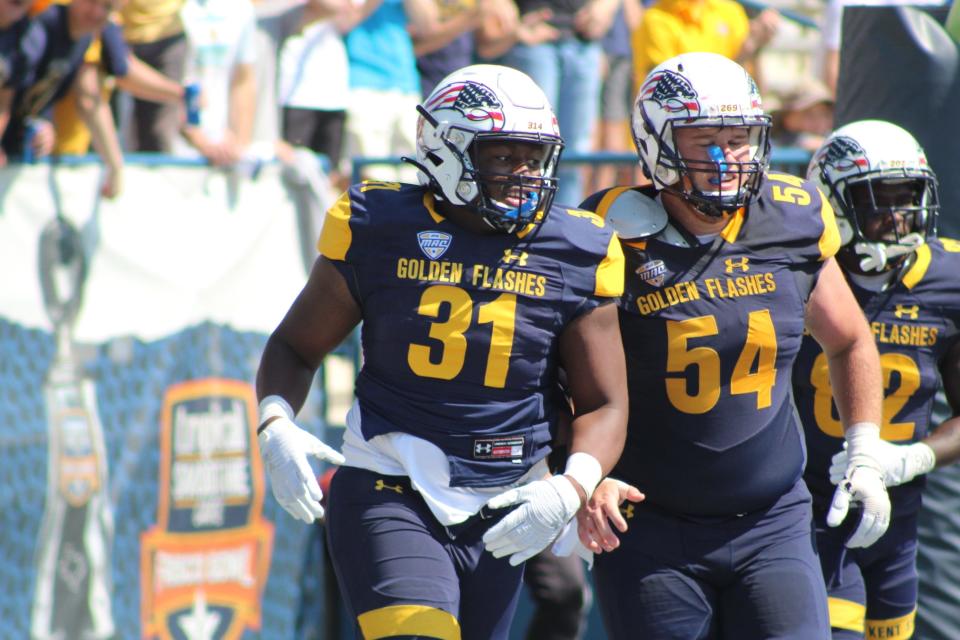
x: 874, y: 256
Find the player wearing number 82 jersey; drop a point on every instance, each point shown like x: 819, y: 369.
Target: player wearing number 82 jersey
x: 905, y: 280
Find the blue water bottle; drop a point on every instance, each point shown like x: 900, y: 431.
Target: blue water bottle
x: 191, y: 100
x: 29, y: 133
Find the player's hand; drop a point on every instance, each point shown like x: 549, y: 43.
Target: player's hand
x: 545, y: 506
x: 862, y: 482
x: 284, y: 448
x: 593, y: 520
x: 901, y: 462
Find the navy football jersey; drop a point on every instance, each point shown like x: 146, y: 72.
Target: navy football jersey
x: 710, y: 333
x: 460, y: 330
x: 21, y: 46
x: 914, y: 323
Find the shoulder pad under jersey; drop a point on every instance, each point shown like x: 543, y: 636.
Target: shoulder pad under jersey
x: 635, y: 216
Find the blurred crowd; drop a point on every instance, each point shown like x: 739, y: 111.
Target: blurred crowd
x: 238, y: 82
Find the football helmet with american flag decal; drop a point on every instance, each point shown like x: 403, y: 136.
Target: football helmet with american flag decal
x: 703, y: 90
x: 479, y: 104
x: 884, y: 193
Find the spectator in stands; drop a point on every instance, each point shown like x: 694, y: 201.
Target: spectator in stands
x: 565, y: 62
x: 21, y: 46
x: 672, y: 27
x: 384, y: 81
x: 142, y: 81
x: 464, y: 29
x: 220, y: 55
x: 616, y: 97
x: 802, y: 116
x: 830, y: 35
x: 155, y: 34
x: 85, y: 108
x: 314, y: 113
x: 69, y: 32
x: 451, y: 46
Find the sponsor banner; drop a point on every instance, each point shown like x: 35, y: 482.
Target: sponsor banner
x: 206, y: 560
x: 132, y: 496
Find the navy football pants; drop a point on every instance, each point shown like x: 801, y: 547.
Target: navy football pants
x: 402, y: 574
x: 751, y: 577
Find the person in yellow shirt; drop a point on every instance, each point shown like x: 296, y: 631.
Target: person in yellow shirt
x: 671, y: 27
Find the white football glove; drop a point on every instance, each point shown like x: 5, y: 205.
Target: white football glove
x: 545, y: 508
x: 284, y: 448
x: 862, y: 482
x: 901, y: 462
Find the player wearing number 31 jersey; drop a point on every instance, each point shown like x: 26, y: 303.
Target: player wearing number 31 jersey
x: 726, y: 266
x: 908, y: 283
x: 473, y: 291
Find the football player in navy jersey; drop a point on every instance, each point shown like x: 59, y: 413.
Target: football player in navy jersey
x: 473, y: 291
x: 907, y: 281
x: 727, y: 265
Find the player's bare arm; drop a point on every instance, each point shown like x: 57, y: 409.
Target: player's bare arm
x: 592, y: 354
x: 321, y: 317
x: 835, y: 320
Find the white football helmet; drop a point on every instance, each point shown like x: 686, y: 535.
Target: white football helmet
x: 486, y: 103
x: 700, y: 90
x: 861, y: 167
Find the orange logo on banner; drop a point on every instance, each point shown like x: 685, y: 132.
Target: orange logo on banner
x: 204, y: 565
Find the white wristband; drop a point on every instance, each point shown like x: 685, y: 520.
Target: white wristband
x: 585, y: 469
x: 275, y: 407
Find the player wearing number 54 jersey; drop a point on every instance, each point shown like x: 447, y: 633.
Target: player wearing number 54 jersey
x: 726, y: 266
x: 473, y: 291
x: 908, y: 283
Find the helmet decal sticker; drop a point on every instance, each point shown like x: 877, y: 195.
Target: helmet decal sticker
x: 477, y: 102
x: 672, y: 92
x: 843, y: 154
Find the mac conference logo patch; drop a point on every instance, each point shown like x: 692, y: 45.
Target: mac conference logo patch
x: 434, y: 243
x: 652, y: 272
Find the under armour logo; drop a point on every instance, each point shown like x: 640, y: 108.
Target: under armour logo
x: 912, y: 312
x: 381, y: 485
x: 737, y: 263
x: 520, y: 257
x: 627, y: 511
x: 483, y: 447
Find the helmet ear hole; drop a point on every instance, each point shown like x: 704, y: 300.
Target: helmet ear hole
x: 434, y: 158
